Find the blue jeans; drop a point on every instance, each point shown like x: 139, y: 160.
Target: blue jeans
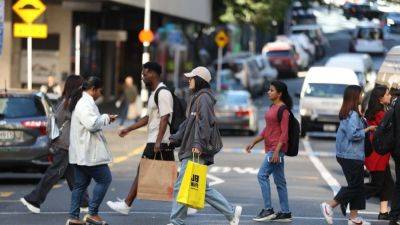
x: 213, y: 197
x: 277, y: 170
x: 83, y: 175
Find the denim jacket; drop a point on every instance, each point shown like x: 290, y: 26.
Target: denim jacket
x: 350, y: 138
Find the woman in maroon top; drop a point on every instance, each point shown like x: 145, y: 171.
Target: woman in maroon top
x: 275, y: 136
x: 382, y: 183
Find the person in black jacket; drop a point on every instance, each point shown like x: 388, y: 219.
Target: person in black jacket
x: 395, y: 209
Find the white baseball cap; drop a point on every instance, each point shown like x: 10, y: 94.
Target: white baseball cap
x: 200, y: 71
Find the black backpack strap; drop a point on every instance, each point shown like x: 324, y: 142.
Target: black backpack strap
x: 280, y: 112
x: 157, y: 93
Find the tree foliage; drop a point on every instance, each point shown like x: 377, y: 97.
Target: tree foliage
x: 260, y: 13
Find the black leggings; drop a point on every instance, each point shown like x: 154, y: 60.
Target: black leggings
x: 382, y: 185
x: 354, y: 193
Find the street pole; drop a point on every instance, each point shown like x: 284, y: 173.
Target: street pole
x: 78, y: 50
x: 144, y: 95
x: 219, y: 69
x: 29, y: 59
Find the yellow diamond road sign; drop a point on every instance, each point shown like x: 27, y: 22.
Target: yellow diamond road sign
x: 221, y: 39
x: 29, y: 10
x: 24, y: 30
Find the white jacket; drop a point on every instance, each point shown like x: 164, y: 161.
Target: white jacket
x: 88, y: 146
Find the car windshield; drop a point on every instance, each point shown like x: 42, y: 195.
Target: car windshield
x: 309, y: 33
x: 325, y: 90
x: 21, y: 107
x: 232, y: 99
x: 278, y: 53
x: 370, y: 33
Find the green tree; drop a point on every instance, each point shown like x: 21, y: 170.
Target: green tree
x: 259, y: 13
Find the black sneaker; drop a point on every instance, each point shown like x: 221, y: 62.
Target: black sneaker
x: 265, y: 215
x: 283, y: 217
x: 384, y: 216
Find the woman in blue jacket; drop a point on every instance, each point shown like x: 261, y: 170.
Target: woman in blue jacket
x: 350, y: 155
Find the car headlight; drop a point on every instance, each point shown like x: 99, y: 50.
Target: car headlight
x: 390, y: 22
x: 305, y: 112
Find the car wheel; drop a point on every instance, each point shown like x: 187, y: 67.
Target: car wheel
x: 251, y: 133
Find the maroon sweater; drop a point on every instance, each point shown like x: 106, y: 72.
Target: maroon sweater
x: 275, y: 132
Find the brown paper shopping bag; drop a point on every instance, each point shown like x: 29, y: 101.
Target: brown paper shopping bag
x: 156, y: 180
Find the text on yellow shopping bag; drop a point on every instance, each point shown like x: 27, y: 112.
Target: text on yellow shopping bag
x: 192, y: 192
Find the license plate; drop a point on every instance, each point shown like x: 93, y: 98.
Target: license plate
x: 6, y: 135
x: 328, y: 127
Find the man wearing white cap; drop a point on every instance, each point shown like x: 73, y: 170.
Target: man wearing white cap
x: 195, y: 136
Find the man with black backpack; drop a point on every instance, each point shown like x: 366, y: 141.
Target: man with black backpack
x: 161, y: 121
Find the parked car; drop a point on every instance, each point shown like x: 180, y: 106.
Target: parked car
x: 235, y: 111
x: 361, y: 64
x: 391, y: 21
x: 314, y: 32
x: 321, y: 98
x: 367, y: 38
x: 246, y: 70
x: 354, y: 10
x: 266, y: 70
x: 304, y: 59
x: 24, y: 143
x: 283, y: 57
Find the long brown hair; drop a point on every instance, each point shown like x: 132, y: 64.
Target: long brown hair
x: 351, y: 101
x: 72, y: 83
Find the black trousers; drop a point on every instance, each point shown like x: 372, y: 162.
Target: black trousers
x: 395, y: 208
x: 381, y: 185
x: 166, y: 153
x: 354, y: 193
x: 59, y: 168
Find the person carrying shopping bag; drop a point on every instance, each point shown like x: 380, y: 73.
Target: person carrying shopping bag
x: 88, y: 151
x: 275, y: 136
x: 382, y: 183
x: 60, y: 166
x: 193, y: 137
x: 350, y: 154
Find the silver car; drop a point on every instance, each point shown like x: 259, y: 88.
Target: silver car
x: 24, y: 143
x: 236, y: 111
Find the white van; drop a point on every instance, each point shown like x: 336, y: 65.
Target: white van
x: 368, y: 38
x: 321, y: 98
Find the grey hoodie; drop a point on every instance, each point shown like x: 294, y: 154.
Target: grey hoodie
x: 195, y: 132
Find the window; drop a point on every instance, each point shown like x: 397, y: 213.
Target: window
x: 20, y: 107
x: 324, y: 90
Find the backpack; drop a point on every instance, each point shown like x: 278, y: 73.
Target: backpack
x: 384, y: 135
x: 293, y: 132
x: 178, y: 113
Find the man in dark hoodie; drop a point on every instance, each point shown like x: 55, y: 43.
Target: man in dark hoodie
x: 395, y: 207
x: 194, y: 137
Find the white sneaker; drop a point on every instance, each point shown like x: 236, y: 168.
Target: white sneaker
x: 192, y: 211
x: 358, y: 221
x: 119, y: 206
x: 236, y: 217
x: 31, y: 207
x: 327, y: 211
x: 84, y: 209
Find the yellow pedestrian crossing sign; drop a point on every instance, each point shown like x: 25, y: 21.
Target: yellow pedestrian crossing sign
x: 29, y: 10
x: 221, y: 39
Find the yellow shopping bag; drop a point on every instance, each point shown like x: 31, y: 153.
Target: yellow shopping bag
x: 192, y: 192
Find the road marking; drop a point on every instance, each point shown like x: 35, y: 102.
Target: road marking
x: 328, y: 177
x: 6, y: 194
x: 134, y: 152
x: 325, y: 174
x: 168, y: 213
x: 214, y: 180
